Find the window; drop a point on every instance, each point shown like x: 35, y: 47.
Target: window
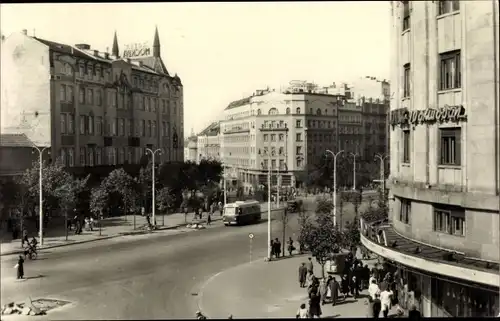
x: 266, y: 137
x: 153, y: 128
x: 91, y: 156
x: 71, y: 124
x: 82, y: 71
x: 67, y: 69
x: 82, y: 125
x: 63, y: 156
x: 69, y: 93
x: 406, y: 81
x: 149, y: 128
x: 281, y: 151
x: 406, y: 146
x: 318, y: 112
x: 63, y: 123
x: 129, y: 155
x: 298, y: 150
x: 113, y: 127
x: 448, y: 6
x: 63, y: 93
x: 121, y: 156
x: 298, y: 137
x: 259, y: 112
x: 273, y: 111
x: 281, y: 137
x: 154, y: 107
x: 406, y: 15
x: 147, y: 104
x: 450, y: 221
x: 99, y: 126
x: 82, y: 156
x: 98, y: 156
x: 82, y: 95
x: 297, y: 111
x: 299, y: 163
x: 405, y: 211
x: 450, y: 146
x: 71, y: 157
x: 98, y: 97
x: 121, y: 127
x: 90, y: 97
x: 164, y: 129
x: 273, y: 137
x: 450, y: 74
x: 91, y: 125
x: 273, y: 163
x: 130, y: 127
x: 142, y: 128
x: 298, y: 123
x: 287, y: 110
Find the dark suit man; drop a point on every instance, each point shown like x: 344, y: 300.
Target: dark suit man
x: 302, y: 275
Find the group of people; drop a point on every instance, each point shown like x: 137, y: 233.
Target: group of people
x: 77, y: 223
x: 276, y: 247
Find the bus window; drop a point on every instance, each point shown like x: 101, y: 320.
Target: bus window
x: 229, y: 211
x: 240, y: 210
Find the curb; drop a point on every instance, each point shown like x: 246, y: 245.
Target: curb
x: 102, y: 238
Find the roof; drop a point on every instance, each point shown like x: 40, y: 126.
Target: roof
x: 152, y: 65
x: 239, y: 103
x: 15, y: 140
x: 428, y: 252
x: 212, y: 130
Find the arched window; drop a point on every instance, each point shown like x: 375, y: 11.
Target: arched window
x: 288, y: 111
x: 297, y: 111
x: 259, y: 112
x: 273, y: 111
x: 318, y: 112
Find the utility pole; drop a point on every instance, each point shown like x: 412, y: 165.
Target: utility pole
x: 153, y: 181
x: 354, y: 171
x: 40, y: 189
x: 382, y: 158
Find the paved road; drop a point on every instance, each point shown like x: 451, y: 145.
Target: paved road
x: 134, y: 277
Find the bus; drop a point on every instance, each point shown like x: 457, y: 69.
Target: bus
x: 240, y: 212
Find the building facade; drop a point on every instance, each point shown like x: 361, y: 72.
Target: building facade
x: 190, y: 148
x: 91, y: 108
x: 443, y: 230
x: 277, y: 131
x: 208, y: 143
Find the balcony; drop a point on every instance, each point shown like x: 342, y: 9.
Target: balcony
x: 379, y: 237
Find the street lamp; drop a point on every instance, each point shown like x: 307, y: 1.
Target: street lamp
x: 382, y: 158
x: 354, y: 170
x: 334, y: 184
x: 224, y: 183
x: 40, y: 201
x: 153, y: 179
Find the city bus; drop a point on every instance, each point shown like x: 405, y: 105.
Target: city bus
x: 240, y: 212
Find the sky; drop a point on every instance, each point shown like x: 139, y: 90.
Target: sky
x: 225, y: 51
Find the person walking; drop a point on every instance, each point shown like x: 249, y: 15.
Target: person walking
x: 209, y: 219
x: 277, y: 244
x: 377, y: 306
x: 385, y: 299
x: 323, y: 290
x: 20, y: 267
x: 25, y: 237
x: 291, y: 248
x: 314, y: 303
x: 309, y: 279
x: 273, y: 248
x: 302, y: 275
x: 302, y: 312
x: 373, y: 289
x: 334, y: 289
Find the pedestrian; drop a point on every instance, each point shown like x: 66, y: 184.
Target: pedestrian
x: 309, y: 279
x: 200, y: 316
x: 309, y: 265
x: 377, y: 306
x: 209, y: 219
x: 273, y: 248
x: 373, y: 289
x: 277, y: 243
x: 354, y: 287
x: 385, y: 299
x: 20, y: 267
x: 334, y: 289
x: 314, y: 303
x: 322, y: 290
x: 91, y: 223
x: 414, y: 314
x: 302, y: 275
x: 25, y: 237
x: 291, y: 248
x: 302, y: 312
x: 344, y: 286
x: 366, y: 277
x: 77, y: 226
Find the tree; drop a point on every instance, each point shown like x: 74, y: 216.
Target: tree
x: 98, y: 200
x: 67, y: 195
x: 351, y: 235
x: 120, y: 184
x: 165, y: 199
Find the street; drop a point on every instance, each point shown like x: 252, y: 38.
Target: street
x: 134, y: 277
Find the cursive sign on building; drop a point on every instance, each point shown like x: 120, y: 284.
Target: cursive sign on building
x: 403, y: 116
x: 137, y: 50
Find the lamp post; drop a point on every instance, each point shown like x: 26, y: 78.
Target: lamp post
x: 40, y: 187
x: 354, y: 170
x: 153, y: 180
x: 224, y: 183
x: 334, y: 184
x: 382, y: 158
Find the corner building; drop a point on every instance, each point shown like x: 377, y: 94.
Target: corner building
x: 92, y: 108
x: 443, y: 228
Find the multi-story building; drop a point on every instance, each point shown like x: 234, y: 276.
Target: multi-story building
x: 443, y: 230
x: 91, y: 108
x: 208, y: 143
x: 281, y: 131
x: 190, y: 148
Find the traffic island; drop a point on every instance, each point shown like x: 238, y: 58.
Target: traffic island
x: 33, y: 307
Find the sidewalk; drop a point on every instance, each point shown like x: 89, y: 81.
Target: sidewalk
x: 111, y: 227
x: 268, y: 290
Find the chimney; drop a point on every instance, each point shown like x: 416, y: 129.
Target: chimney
x: 96, y: 53
x: 128, y: 60
x: 25, y: 32
x: 140, y: 63
x: 106, y: 55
